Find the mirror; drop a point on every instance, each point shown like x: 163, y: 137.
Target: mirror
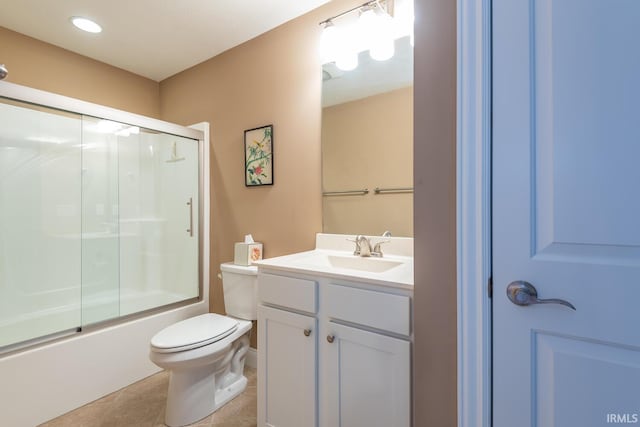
x: 367, y: 145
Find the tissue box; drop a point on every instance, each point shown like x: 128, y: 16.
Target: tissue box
x: 246, y: 253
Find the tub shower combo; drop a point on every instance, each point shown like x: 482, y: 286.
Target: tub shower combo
x: 101, y: 224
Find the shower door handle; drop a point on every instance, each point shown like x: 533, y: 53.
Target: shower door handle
x: 190, y: 229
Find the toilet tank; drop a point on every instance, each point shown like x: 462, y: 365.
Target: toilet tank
x: 239, y: 284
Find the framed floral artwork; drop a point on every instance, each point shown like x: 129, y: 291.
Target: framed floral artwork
x: 258, y: 156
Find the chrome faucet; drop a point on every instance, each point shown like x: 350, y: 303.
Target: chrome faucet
x: 363, y: 246
x: 364, y: 249
x: 377, y: 250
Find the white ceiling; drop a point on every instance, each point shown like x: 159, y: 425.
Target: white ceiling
x: 152, y: 38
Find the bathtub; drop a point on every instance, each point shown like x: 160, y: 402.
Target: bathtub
x: 44, y: 382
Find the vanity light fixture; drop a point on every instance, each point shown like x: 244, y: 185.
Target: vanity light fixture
x: 374, y: 30
x: 85, y: 24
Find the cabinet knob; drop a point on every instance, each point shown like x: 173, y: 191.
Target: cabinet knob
x: 307, y: 332
x: 330, y: 338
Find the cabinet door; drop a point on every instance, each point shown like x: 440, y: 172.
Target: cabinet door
x: 367, y: 379
x: 286, y: 369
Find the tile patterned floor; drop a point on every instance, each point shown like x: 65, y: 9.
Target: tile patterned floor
x: 142, y: 405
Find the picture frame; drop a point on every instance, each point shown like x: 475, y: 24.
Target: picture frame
x: 258, y: 156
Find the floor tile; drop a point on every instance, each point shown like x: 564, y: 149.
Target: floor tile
x: 142, y: 404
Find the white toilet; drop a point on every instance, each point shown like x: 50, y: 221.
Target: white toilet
x: 205, y: 354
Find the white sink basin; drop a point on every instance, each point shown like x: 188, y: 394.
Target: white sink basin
x: 371, y: 265
x: 333, y: 257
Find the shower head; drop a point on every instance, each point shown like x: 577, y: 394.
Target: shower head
x: 174, y: 154
x: 3, y: 71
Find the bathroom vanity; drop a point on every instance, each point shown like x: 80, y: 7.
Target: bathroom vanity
x: 334, y: 336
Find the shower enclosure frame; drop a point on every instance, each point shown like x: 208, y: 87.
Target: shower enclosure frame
x: 83, y: 342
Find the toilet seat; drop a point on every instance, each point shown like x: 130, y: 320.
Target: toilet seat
x: 193, y: 333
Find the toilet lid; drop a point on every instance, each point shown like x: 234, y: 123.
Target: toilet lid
x: 193, y: 333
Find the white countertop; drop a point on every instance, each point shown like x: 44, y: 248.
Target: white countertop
x: 316, y: 262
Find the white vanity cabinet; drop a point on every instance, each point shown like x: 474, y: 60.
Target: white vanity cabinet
x: 332, y: 352
x: 288, y: 346
x: 365, y: 356
x: 287, y: 359
x: 367, y: 379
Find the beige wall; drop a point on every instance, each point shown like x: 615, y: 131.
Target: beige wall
x: 47, y: 67
x: 273, y: 79
x: 368, y: 143
x: 434, y: 376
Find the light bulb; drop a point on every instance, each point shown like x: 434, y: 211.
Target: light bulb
x: 347, y: 49
x: 403, y: 19
x: 376, y: 34
x: 382, y: 43
x: 347, y: 61
x: 382, y: 50
x: 329, y: 43
x: 86, y: 24
x: 367, y: 28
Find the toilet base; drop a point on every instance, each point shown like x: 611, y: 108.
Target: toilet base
x: 229, y: 392
x: 205, y: 400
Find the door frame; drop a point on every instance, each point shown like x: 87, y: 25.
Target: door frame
x: 473, y: 211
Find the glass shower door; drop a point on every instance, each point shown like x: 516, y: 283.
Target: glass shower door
x: 158, y: 175
x: 140, y: 220
x: 100, y: 221
x: 40, y: 222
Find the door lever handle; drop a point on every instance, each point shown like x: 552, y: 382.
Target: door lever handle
x: 524, y: 293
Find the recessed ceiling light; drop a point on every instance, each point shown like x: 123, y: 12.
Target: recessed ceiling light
x: 85, y: 24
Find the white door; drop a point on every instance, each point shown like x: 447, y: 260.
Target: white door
x: 566, y: 211
x: 286, y: 369
x: 368, y: 379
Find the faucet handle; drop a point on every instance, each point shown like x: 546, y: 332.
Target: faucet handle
x: 355, y: 240
x: 377, y: 250
x: 386, y: 234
